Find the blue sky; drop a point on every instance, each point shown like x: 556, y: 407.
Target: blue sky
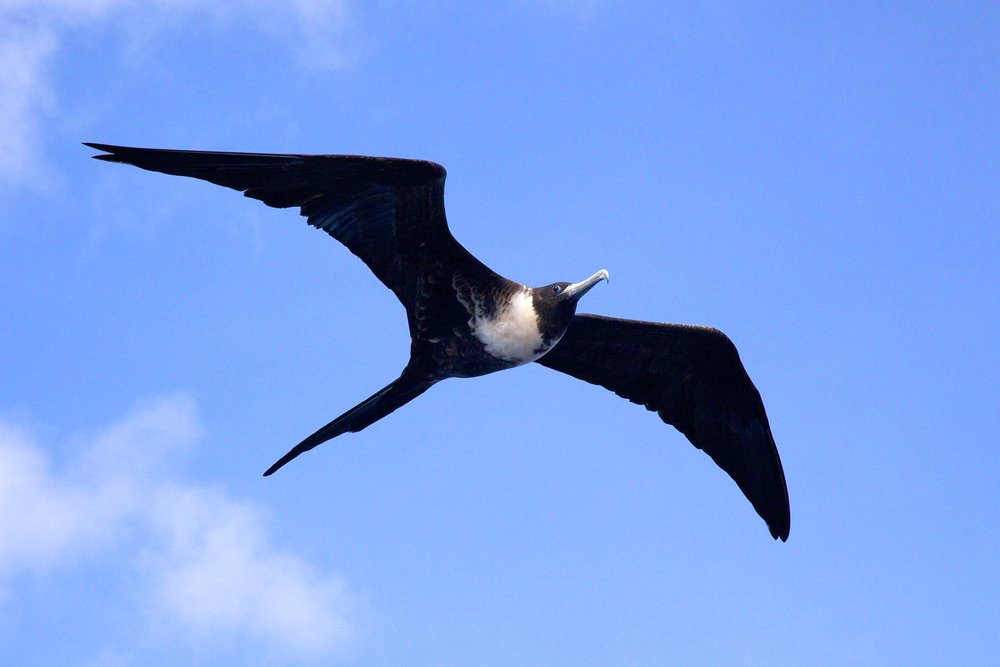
x: 818, y: 180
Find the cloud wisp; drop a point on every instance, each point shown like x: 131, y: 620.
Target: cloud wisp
x: 207, y: 565
x: 24, y: 57
x: 321, y: 33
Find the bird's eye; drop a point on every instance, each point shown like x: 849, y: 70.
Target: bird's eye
x: 556, y: 289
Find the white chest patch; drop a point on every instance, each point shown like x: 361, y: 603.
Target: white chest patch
x: 513, y: 333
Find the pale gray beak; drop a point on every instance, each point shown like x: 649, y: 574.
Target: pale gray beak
x: 576, y: 290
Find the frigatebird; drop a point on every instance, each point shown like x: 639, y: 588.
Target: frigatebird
x: 466, y: 320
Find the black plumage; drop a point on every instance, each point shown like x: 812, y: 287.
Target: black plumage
x: 466, y: 320
x: 693, y: 379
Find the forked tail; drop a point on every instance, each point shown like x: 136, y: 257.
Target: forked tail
x: 401, y: 391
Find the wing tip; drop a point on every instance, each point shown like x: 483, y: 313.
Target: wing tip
x: 778, y: 515
x: 110, y: 153
x: 780, y: 531
x: 280, y: 463
x: 107, y: 148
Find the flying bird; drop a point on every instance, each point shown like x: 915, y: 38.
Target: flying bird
x: 466, y: 320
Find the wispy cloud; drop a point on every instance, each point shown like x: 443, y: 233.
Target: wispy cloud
x: 217, y: 573
x: 209, y: 567
x: 320, y: 32
x: 24, y: 56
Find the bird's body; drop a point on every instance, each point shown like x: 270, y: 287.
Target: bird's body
x: 465, y: 320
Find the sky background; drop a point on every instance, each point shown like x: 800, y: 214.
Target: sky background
x: 818, y: 180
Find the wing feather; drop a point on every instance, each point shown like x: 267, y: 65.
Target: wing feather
x: 387, y: 211
x: 692, y: 377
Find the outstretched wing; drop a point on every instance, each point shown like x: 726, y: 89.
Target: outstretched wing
x: 387, y: 211
x: 693, y: 379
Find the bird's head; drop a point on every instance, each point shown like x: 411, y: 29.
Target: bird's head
x: 555, y: 304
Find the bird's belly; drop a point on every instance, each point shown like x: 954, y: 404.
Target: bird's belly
x: 470, y: 357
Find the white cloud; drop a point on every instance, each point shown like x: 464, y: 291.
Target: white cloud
x: 39, y: 522
x: 217, y: 573
x: 208, y: 567
x: 319, y: 31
